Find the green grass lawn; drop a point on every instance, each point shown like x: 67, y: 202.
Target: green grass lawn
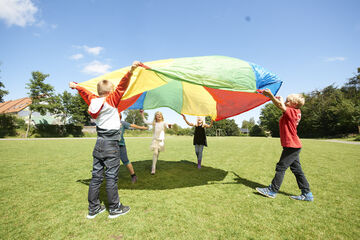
x: 44, y: 185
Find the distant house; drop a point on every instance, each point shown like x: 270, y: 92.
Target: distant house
x: 245, y: 131
x: 14, y: 106
x: 20, y: 107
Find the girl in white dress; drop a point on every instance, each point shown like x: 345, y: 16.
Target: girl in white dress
x: 158, y: 141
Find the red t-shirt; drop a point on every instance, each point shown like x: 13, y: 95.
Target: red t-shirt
x: 288, y: 124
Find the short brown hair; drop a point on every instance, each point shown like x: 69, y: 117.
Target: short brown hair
x: 104, y: 87
x: 297, y: 100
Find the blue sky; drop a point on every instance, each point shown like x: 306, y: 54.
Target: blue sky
x: 308, y: 44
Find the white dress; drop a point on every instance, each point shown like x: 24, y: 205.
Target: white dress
x: 158, y: 141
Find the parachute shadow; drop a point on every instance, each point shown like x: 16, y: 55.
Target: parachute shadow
x: 169, y: 175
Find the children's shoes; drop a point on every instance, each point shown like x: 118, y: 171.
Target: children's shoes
x: 268, y: 192
x: 134, y: 178
x: 120, y: 210
x: 92, y: 214
x: 304, y: 197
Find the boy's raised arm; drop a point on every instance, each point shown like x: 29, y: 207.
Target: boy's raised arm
x: 115, y: 97
x: 278, y: 101
x: 85, y: 94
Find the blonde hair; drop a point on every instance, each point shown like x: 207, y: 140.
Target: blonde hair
x: 104, y: 87
x: 297, y: 100
x: 202, y: 120
x: 162, y: 117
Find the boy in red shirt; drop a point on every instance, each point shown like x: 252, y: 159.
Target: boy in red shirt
x: 291, y: 147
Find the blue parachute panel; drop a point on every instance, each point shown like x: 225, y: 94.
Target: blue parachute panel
x: 266, y: 79
x: 139, y: 104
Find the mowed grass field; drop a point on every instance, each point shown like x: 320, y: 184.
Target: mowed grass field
x: 44, y: 185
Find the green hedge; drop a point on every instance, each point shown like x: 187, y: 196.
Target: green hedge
x: 7, y: 125
x: 357, y: 138
x: 47, y: 130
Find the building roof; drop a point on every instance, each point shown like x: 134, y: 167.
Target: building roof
x: 244, y: 130
x: 14, y: 106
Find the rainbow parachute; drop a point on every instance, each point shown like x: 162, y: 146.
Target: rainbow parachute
x: 215, y: 86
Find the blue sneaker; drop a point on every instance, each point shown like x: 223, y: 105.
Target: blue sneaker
x: 268, y: 192
x: 304, y: 197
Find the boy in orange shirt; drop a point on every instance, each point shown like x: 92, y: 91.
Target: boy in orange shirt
x: 106, y: 157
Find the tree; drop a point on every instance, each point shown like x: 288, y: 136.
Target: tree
x: 134, y: 117
x: 41, y: 94
x: 328, y: 113
x: 257, y: 131
x: 351, y: 90
x: 228, y: 126
x: 64, y: 105
x: 72, y: 108
x: 248, y: 124
x: 79, y: 111
x: 2, y: 91
x: 174, y: 130
x: 269, y: 119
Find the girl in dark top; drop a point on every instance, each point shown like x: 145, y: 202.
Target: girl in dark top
x: 199, y: 136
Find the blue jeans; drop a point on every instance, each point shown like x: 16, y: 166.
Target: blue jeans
x: 199, y: 150
x: 290, y: 158
x: 106, y: 158
x: 123, y: 155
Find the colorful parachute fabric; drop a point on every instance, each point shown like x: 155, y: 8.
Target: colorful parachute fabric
x: 215, y: 86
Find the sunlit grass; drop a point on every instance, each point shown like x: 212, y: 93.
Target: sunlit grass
x: 44, y: 185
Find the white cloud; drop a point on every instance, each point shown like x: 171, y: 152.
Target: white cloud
x: 334, y: 59
x: 76, y: 56
x: 93, y: 50
x: 90, y: 50
x: 18, y: 12
x: 96, y: 68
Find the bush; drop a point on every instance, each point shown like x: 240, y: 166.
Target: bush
x: 357, y: 138
x: 256, y: 130
x: 7, y: 125
x: 47, y: 130
x: 179, y: 131
x: 137, y: 133
x: 74, y: 130
x: 20, y: 123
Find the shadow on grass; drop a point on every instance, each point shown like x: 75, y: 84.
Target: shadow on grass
x: 169, y: 175
x: 251, y: 184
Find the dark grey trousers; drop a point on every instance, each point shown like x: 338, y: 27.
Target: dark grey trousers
x: 106, y: 158
x: 290, y: 158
